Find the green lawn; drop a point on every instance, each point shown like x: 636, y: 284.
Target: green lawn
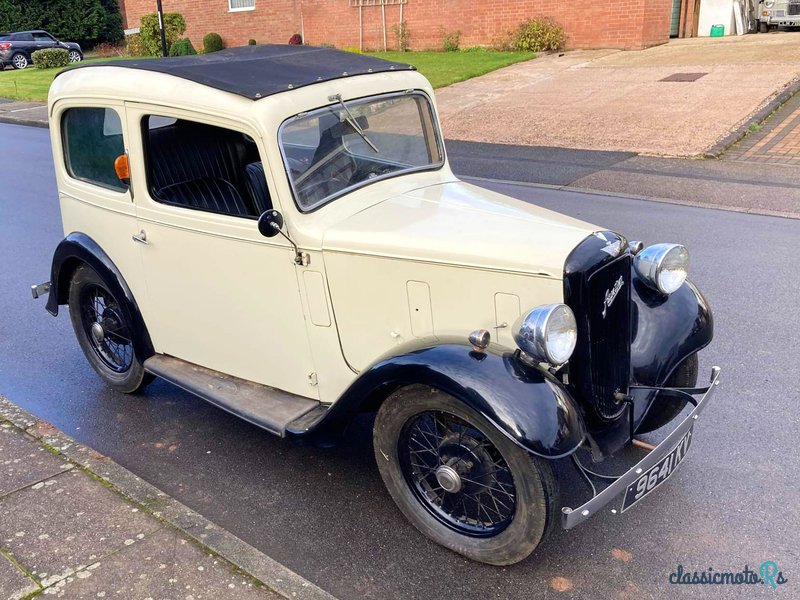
x: 444, y: 68
x: 441, y: 68
x: 30, y: 83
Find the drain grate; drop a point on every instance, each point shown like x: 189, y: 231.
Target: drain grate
x: 684, y: 77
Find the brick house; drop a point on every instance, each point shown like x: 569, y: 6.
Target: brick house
x: 368, y: 24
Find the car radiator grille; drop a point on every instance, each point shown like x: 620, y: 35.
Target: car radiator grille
x: 609, y: 335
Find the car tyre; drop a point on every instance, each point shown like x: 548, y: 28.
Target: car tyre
x: 520, y: 490
x: 19, y: 61
x: 104, y: 334
x: 664, y: 410
x: 75, y: 56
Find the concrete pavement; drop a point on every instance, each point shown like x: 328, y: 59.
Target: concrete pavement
x: 624, y: 101
x: 75, y: 524
x: 23, y: 112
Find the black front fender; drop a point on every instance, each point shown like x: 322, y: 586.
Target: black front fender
x: 666, y: 329
x: 526, y: 403
x: 78, y: 248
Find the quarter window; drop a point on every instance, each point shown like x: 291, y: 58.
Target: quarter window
x: 234, y: 5
x: 92, y: 139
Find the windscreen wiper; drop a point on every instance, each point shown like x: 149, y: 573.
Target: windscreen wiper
x: 351, y: 120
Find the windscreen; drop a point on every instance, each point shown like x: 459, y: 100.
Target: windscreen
x: 349, y: 144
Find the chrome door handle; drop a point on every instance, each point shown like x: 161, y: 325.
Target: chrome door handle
x: 140, y: 237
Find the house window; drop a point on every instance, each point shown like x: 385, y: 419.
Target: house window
x: 236, y: 5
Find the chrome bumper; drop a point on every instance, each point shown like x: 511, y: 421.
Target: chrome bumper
x: 570, y: 517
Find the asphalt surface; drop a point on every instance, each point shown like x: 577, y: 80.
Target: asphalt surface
x: 732, y: 183
x: 325, y: 514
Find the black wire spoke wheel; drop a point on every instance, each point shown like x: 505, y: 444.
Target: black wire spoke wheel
x: 105, y: 335
x: 460, y: 480
x: 105, y: 328
x: 457, y: 473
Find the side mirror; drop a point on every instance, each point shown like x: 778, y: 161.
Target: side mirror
x: 270, y: 223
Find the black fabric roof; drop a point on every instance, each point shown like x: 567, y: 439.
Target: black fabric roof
x: 259, y: 71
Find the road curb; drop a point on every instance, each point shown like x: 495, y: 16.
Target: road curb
x: 602, y: 193
x: 221, y: 542
x: 24, y: 122
x: 740, y: 132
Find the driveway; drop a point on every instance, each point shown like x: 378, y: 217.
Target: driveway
x: 618, y: 100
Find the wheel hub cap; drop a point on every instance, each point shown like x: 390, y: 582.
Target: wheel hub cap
x: 98, y: 333
x: 449, y: 479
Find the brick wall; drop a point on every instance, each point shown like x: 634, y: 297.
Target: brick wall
x: 629, y: 24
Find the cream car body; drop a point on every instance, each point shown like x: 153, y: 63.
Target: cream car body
x: 297, y: 315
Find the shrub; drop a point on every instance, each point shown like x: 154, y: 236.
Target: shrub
x: 84, y: 21
x: 296, y: 40
x: 504, y: 42
x: 182, y: 47
x: 133, y: 43
x: 451, y: 40
x: 539, y: 35
x: 251, y: 42
x: 104, y: 50
x: 150, y: 35
x: 352, y: 49
x: 212, y: 42
x: 403, y: 35
x: 50, y: 58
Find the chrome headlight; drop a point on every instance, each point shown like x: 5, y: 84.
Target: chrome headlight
x: 769, y: 3
x: 547, y: 333
x: 663, y: 267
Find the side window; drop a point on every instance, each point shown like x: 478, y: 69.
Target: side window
x: 42, y: 37
x: 203, y: 167
x: 92, y: 140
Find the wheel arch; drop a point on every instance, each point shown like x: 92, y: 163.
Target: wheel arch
x: 79, y: 249
x: 525, y: 403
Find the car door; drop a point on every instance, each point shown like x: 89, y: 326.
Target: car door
x: 43, y: 40
x: 219, y: 294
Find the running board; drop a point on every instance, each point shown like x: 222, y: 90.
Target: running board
x: 258, y: 404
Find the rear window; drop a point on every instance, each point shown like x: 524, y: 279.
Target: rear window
x: 4, y: 38
x: 92, y: 140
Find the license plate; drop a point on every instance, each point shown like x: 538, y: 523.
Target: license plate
x: 657, y: 474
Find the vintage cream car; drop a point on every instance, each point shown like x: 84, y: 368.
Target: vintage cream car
x: 276, y: 229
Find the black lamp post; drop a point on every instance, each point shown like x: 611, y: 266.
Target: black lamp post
x: 161, y: 27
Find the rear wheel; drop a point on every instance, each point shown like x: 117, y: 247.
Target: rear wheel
x: 459, y: 480
x: 75, y: 56
x: 19, y: 61
x: 103, y: 332
x: 663, y: 410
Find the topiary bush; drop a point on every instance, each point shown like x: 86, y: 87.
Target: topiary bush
x: 182, y: 47
x: 150, y: 34
x: 539, y: 35
x: 212, y: 42
x: 50, y: 58
x: 251, y: 42
x: 296, y: 40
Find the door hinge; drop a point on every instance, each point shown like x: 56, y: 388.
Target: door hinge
x: 312, y: 379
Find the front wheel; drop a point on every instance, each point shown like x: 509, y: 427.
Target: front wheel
x: 75, y: 56
x: 459, y: 480
x: 19, y: 61
x: 104, y: 333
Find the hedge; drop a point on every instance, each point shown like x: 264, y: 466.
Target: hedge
x: 150, y: 34
x: 87, y: 22
x: 50, y: 58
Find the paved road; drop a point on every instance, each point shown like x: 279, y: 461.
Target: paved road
x: 734, y: 183
x: 324, y: 513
